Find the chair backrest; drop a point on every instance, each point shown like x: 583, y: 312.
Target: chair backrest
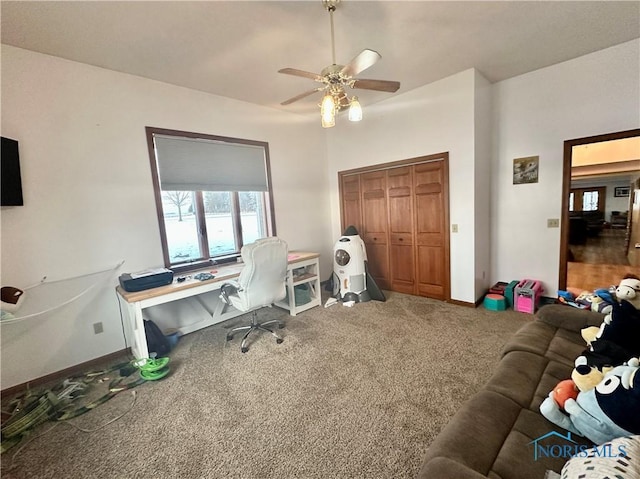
x: 262, y: 280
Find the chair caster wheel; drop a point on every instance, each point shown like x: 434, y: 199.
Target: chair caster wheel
x: 279, y: 341
x: 244, y: 350
x: 229, y: 338
x: 281, y: 326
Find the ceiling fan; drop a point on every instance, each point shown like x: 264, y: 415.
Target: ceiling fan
x: 335, y: 78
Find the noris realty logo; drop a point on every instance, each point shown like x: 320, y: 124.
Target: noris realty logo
x: 572, y: 448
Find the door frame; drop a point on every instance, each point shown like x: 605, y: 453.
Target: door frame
x: 566, y: 187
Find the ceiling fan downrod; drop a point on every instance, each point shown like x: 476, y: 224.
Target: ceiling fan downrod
x: 330, y: 5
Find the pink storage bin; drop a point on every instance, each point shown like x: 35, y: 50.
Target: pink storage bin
x: 526, y: 295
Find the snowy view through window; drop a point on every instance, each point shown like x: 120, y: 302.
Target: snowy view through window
x: 182, y: 228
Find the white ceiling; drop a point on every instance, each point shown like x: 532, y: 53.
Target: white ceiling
x: 235, y: 48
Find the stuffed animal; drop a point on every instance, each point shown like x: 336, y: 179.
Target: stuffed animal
x: 590, y: 334
x: 564, y: 390
x: 608, y: 411
x: 629, y: 290
x: 617, y: 338
x: 594, y: 302
x: 587, y: 377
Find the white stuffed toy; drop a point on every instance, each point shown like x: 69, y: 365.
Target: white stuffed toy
x: 629, y: 289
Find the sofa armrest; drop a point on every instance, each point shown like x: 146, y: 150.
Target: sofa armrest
x: 569, y: 318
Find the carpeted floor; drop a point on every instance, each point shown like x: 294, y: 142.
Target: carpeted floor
x: 351, y: 393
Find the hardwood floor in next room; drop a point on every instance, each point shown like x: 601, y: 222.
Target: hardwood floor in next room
x: 599, y: 263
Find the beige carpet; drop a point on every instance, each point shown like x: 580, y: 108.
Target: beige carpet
x: 351, y: 393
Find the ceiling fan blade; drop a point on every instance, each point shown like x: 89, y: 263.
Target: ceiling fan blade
x: 301, y: 73
x: 301, y: 96
x: 361, y: 62
x: 378, y: 85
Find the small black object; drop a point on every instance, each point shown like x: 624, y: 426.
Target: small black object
x: 181, y: 279
x: 244, y: 350
x: 156, y: 341
x: 279, y: 341
x: 142, y: 280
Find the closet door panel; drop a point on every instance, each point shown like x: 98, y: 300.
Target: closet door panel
x: 375, y: 220
x: 430, y: 230
x: 350, y: 193
x: 401, y: 241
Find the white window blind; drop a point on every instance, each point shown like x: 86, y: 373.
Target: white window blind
x: 192, y: 164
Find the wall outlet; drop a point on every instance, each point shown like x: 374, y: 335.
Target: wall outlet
x: 553, y: 223
x: 454, y: 228
x: 97, y: 328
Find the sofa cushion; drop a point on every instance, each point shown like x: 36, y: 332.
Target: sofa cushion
x: 517, y: 376
x: 473, y: 437
x: 554, y: 336
x: 517, y: 458
x: 533, y: 337
x: 527, y: 378
x: 565, y: 317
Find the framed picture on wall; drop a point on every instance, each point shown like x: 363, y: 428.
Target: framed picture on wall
x: 525, y: 170
x: 620, y: 191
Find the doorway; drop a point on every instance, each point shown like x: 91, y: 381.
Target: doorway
x: 599, y: 221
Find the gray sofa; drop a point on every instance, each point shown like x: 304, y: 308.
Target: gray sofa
x: 491, y: 435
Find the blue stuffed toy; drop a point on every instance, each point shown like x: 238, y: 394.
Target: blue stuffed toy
x: 608, y: 411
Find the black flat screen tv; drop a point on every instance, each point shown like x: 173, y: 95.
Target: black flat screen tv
x: 10, y: 179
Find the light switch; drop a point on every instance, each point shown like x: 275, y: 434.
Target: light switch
x: 553, y: 223
x: 454, y: 228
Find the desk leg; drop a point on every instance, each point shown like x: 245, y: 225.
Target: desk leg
x: 139, y: 338
x: 291, y: 293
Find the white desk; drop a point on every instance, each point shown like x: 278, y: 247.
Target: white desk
x: 303, y: 269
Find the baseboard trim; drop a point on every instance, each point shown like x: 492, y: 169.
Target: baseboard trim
x: 63, y: 374
x: 464, y: 303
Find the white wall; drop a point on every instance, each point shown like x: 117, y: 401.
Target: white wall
x: 432, y: 119
x: 482, y: 174
x: 533, y: 115
x: 89, y: 198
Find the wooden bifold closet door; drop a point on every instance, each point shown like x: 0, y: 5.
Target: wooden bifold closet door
x: 401, y: 211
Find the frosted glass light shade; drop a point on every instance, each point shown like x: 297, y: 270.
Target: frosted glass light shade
x: 355, y: 110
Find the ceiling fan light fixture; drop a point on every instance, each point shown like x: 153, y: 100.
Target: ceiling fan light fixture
x: 328, y: 120
x: 328, y: 105
x: 355, y: 110
x: 336, y: 78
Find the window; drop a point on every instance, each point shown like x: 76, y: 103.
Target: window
x: 213, y: 195
x: 590, y: 201
x: 587, y: 199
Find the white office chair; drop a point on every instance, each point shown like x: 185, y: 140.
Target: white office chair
x: 261, y: 283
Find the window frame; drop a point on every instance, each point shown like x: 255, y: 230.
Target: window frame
x: 199, y: 212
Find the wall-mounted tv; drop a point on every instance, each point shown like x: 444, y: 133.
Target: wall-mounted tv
x: 10, y: 179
